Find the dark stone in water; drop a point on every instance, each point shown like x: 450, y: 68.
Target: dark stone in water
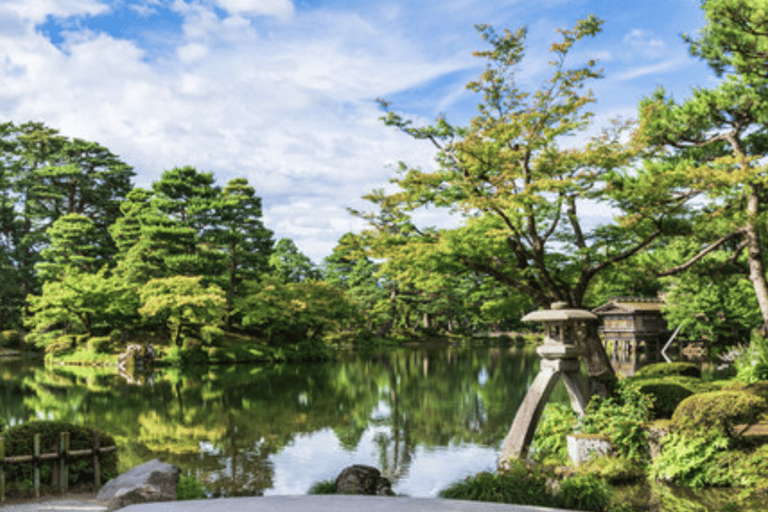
x: 360, y: 479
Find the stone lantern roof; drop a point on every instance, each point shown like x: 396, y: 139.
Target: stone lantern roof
x: 558, y: 315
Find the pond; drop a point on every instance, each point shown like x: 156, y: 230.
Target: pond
x: 425, y: 416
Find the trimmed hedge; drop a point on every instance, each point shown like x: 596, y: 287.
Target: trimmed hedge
x: 665, y: 369
x: 719, y: 411
x: 666, y: 394
x: 19, y: 440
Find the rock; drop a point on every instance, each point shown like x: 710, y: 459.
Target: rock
x: 130, y: 496
x: 359, y: 479
x: 656, y: 432
x: 583, y: 447
x: 152, y: 481
x: 136, y: 358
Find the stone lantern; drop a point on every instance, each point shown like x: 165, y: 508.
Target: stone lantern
x: 559, y: 358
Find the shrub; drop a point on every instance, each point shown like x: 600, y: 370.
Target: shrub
x: 20, y: 441
x: 664, y: 369
x: 61, y: 344
x: 756, y: 388
x: 189, y: 488
x: 323, y: 487
x: 717, y: 411
x: 752, y: 363
x: 614, y: 470
x: 666, y: 395
x: 100, y: 344
x: 691, y: 460
x: 549, y: 442
x: 621, y: 419
x: 518, y: 485
x: 12, y: 339
x: 584, y: 492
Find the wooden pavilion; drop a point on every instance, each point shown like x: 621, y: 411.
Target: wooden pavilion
x: 633, y: 331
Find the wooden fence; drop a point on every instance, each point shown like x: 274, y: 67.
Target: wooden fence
x: 61, y: 459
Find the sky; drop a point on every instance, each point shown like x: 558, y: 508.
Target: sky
x: 283, y: 92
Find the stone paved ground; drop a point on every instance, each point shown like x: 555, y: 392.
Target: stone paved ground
x: 325, y: 503
x: 73, y: 502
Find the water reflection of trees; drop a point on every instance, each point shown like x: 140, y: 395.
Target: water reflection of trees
x: 224, y: 424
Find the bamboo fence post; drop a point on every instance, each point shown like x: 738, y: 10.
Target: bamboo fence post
x: 96, y: 465
x: 36, y: 462
x: 2, y: 468
x: 58, y: 463
x: 64, y: 469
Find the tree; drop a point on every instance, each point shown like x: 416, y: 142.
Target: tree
x: 238, y: 230
x: 73, y: 248
x: 291, y: 265
x: 519, y: 192
x: 44, y: 175
x: 716, y: 140
x: 347, y: 268
x: 88, y: 304
x: 293, y: 312
x: 186, y: 196
x: 183, y: 303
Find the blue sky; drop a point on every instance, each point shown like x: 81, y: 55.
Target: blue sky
x: 283, y: 92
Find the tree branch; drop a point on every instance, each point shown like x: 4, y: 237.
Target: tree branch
x: 714, y: 245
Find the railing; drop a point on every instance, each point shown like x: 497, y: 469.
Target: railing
x: 60, y: 460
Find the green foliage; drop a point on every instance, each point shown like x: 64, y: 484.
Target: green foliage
x: 290, y: 265
x: 622, y: 419
x: 519, y: 485
x: 614, y: 470
x: 189, y: 488
x: 584, y: 492
x: 664, y: 369
x: 323, y: 487
x: 722, y: 309
x: 20, y: 441
x: 11, y: 339
x: 692, y: 460
x: 718, y: 411
x: 666, y: 395
x: 45, y: 176
x: 182, y: 303
x: 79, y: 304
x: 293, y: 312
x: 100, y: 344
x: 525, y: 485
x: 751, y: 471
x: 549, y: 441
x: 73, y: 248
x: 752, y: 363
x: 514, y: 188
x: 714, y: 148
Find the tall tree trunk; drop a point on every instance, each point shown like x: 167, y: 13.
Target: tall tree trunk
x: 755, y: 256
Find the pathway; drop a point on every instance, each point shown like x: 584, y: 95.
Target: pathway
x: 326, y: 503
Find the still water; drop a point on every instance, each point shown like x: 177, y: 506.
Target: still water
x: 425, y: 416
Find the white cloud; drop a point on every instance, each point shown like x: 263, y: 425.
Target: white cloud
x: 638, y: 37
x: 653, y: 69
x: 278, y: 8
x: 297, y: 118
x: 191, y: 52
x: 37, y: 10
x: 287, y: 104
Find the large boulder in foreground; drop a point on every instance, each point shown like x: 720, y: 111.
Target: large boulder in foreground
x: 152, y: 481
x: 360, y: 479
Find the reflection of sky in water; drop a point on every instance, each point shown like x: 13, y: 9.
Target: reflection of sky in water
x: 319, y: 456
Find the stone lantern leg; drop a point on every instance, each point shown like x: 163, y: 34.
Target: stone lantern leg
x: 559, y: 358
